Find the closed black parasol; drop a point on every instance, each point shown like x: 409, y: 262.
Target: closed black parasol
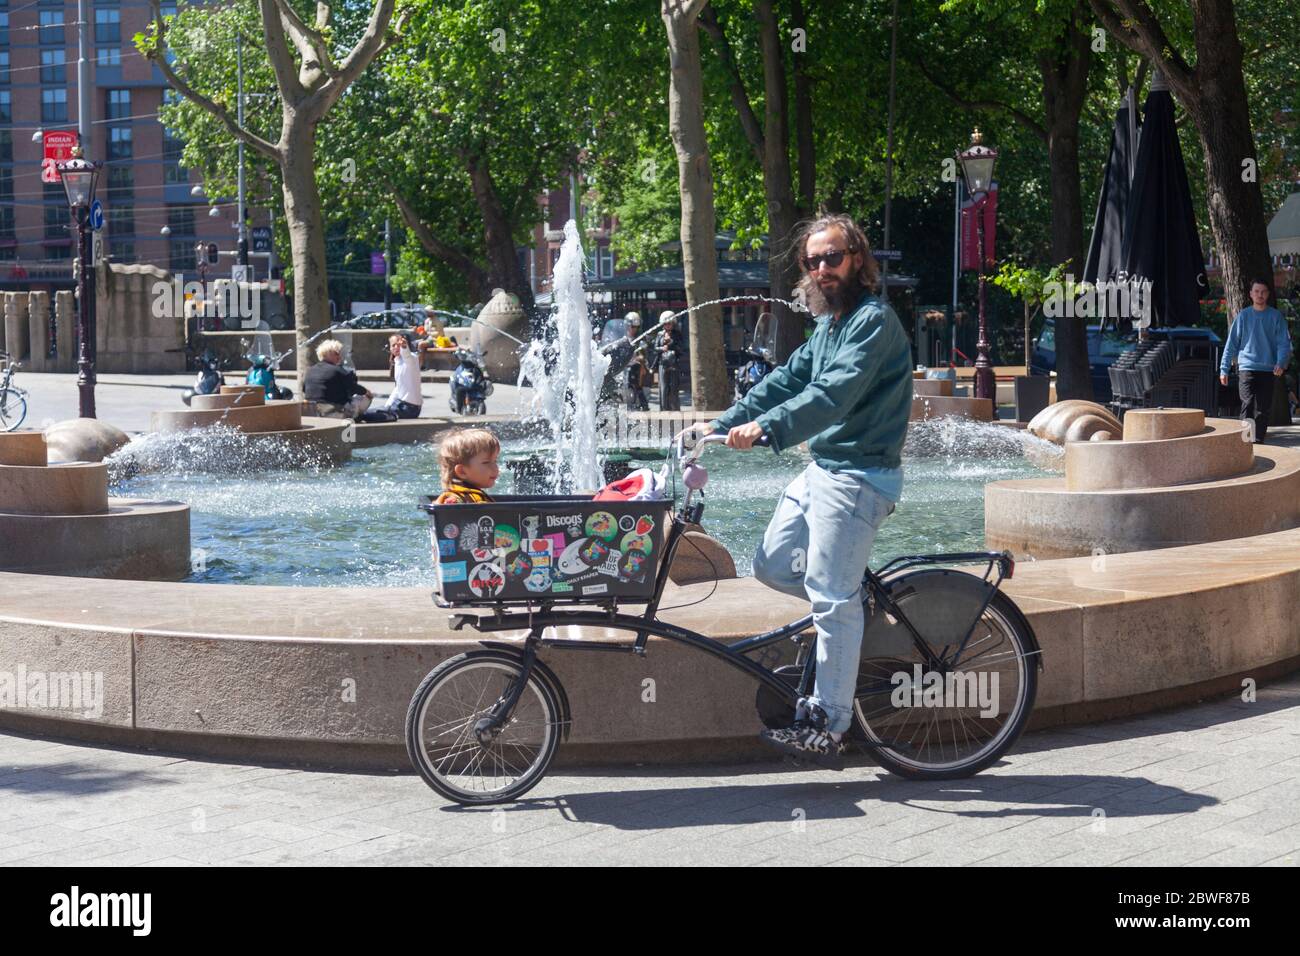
x: 1160, y: 242
x: 1106, y: 248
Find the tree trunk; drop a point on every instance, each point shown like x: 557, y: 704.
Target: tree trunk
x: 1222, y: 116
x: 302, y: 211
x: 805, y: 145
x: 1064, y: 72
x: 504, y: 269
x: 709, y: 385
x: 478, y: 285
x: 782, y: 267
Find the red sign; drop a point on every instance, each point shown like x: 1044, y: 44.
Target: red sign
x: 59, y: 145
x: 970, y: 240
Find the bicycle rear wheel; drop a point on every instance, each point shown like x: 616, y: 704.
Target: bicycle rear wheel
x: 957, y: 718
x: 462, y: 762
x: 13, y: 409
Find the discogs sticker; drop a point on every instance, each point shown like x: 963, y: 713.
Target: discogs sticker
x: 486, y: 580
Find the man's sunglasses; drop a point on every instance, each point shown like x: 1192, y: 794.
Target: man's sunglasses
x: 832, y: 259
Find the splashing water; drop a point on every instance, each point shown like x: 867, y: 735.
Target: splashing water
x: 960, y: 441
x: 567, y: 396
x: 216, y: 449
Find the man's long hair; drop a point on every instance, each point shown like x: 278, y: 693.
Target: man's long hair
x: 855, y: 240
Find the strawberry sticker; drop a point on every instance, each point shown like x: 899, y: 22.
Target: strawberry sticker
x: 645, y: 524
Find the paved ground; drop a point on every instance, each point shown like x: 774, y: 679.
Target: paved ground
x: 1215, y: 784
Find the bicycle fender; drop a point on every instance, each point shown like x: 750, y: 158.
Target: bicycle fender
x: 548, y: 675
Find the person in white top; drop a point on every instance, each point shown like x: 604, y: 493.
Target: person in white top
x: 406, y: 398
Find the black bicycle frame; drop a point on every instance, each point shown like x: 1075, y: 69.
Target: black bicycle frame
x: 876, y: 598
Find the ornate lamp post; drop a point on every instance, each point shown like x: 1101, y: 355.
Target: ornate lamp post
x: 977, y: 169
x: 79, y: 179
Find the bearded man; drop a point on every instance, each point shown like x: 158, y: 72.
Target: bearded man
x: 847, y: 391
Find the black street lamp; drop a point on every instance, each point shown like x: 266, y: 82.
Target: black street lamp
x: 79, y: 179
x: 977, y: 169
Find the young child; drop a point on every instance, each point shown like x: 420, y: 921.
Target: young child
x: 468, y: 460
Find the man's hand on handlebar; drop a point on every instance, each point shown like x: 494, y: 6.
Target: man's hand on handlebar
x: 687, y: 437
x: 744, y: 436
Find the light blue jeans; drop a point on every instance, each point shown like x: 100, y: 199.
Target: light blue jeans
x: 817, y: 546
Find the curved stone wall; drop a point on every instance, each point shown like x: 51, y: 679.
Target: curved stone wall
x: 268, y: 417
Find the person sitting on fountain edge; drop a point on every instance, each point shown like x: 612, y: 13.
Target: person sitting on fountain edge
x: 334, y: 389
x: 467, y: 458
x: 847, y: 391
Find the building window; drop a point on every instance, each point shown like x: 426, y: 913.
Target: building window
x: 52, y: 68
x: 173, y: 147
x: 4, y: 28
x: 121, y: 219
x: 108, y: 25
x: 119, y: 143
x: 605, y: 268
x: 6, y: 146
x: 4, y: 66
x: 54, y: 106
x: 56, y: 221
x: 118, y: 104
x: 52, y: 27
x: 121, y: 180
x: 181, y: 220
x: 6, y: 107
x: 168, y: 8
x: 59, y: 252
x: 122, y: 251
x: 109, y: 56
x: 180, y: 255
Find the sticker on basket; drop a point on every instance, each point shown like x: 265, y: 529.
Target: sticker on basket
x: 531, y: 526
x: 450, y: 531
x: 486, y: 580
x: 632, y: 565
x: 595, y: 589
x: 570, y: 523
x: 539, y: 580
x: 558, y: 543
x: 570, y: 562
x: 539, y: 552
x: 521, y: 566
x: 602, y: 525
x: 637, y: 542
x: 645, y: 524
x: 479, y: 534
x: 505, y: 539
x: 450, y: 572
x: 446, y: 548
x: 560, y: 587
x: 594, y: 552
x: 626, y: 523
x: 482, y: 554
x: 610, y: 564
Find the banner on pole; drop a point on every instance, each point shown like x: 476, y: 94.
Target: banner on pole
x: 970, y: 240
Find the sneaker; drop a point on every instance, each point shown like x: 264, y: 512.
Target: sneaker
x: 808, y: 739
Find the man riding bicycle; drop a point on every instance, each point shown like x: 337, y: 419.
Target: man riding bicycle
x: 847, y: 391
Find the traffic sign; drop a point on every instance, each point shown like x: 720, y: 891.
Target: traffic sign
x: 261, y: 238
x: 241, y: 273
x: 96, y: 215
x: 58, y: 145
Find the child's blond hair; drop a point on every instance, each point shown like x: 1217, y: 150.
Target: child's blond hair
x: 459, y: 448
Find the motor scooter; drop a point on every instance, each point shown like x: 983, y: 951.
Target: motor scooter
x: 470, y: 384
x: 209, y: 379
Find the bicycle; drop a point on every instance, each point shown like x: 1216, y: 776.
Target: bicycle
x: 484, y: 726
x: 13, y: 400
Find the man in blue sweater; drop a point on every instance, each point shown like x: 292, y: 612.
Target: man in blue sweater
x: 847, y: 391
x: 1261, y: 344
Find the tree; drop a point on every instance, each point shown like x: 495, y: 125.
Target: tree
x: 1030, y: 285
x: 709, y: 386
x: 1213, y: 91
x: 309, y: 83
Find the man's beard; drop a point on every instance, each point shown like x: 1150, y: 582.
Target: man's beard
x: 836, y: 300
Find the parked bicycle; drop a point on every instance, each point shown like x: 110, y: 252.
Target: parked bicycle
x: 13, y: 400
x: 946, y: 681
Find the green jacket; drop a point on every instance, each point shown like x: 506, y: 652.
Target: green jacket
x: 847, y: 391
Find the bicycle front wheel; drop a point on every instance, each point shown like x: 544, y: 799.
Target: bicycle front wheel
x: 13, y: 409
x: 448, y: 745
x: 954, y: 718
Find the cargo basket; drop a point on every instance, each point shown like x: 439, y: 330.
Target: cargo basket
x: 532, y: 549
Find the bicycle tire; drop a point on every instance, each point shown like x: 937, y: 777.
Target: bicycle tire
x: 1002, y: 615
x: 13, y: 409
x: 538, y: 694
